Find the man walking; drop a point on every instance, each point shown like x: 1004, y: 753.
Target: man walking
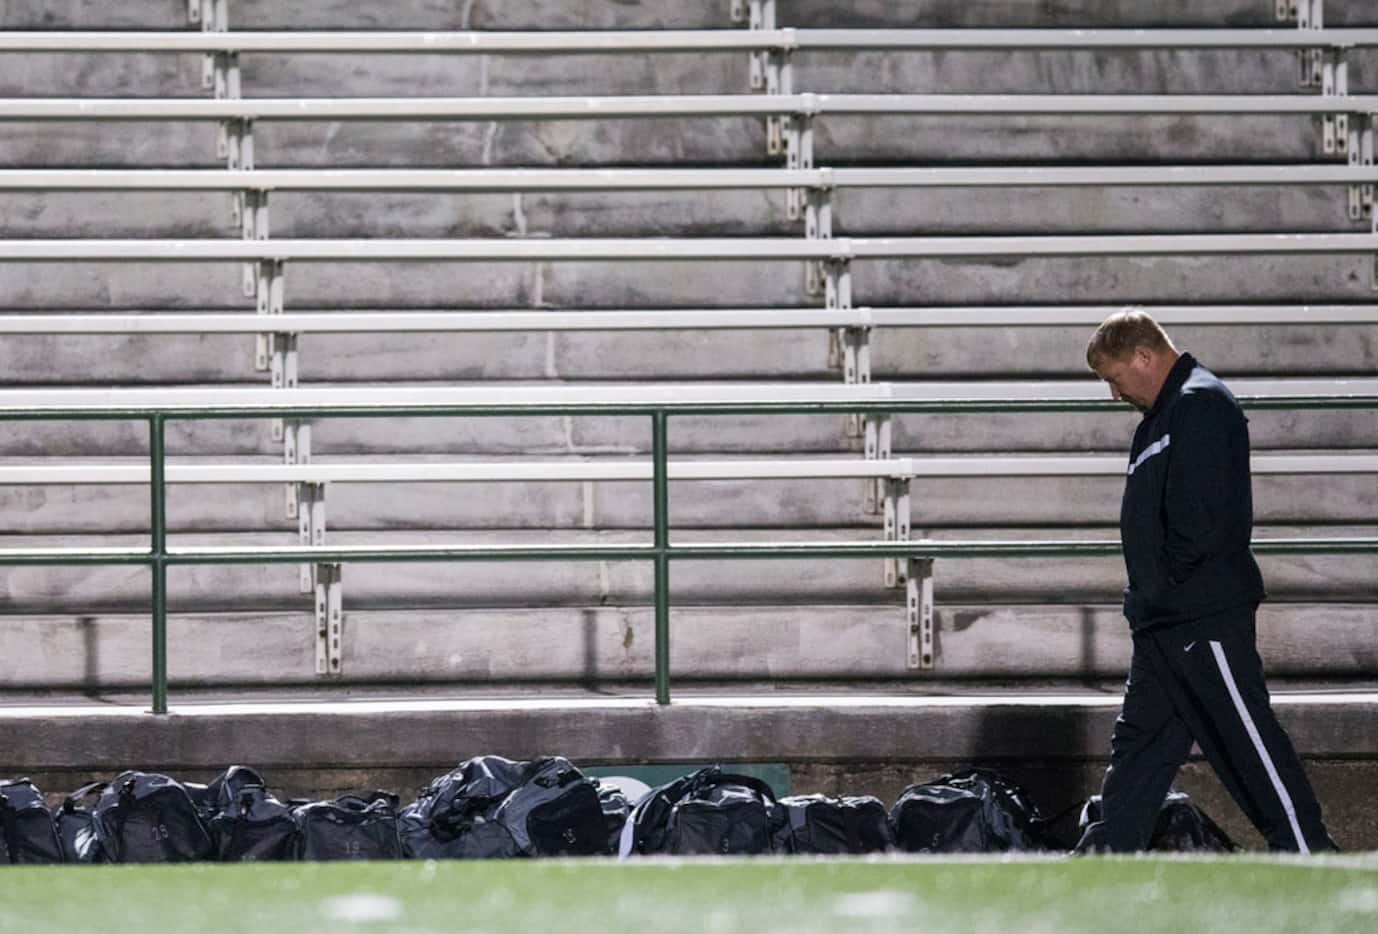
x: 1185, y: 524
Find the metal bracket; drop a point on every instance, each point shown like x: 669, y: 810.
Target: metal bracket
x: 213, y: 16
x: 296, y: 449
x: 918, y: 607
x: 1310, y: 62
x: 876, y: 432
x: 896, y: 492
x: 310, y: 525
x: 254, y: 226
x: 1335, y: 83
x: 1360, y: 153
x: 837, y: 278
x: 220, y: 73
x: 856, y: 369
x: 818, y: 225
x: 771, y: 69
x: 798, y: 132
x: 269, y: 288
x: 329, y: 619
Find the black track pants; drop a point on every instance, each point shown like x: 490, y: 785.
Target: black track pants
x: 1203, y: 681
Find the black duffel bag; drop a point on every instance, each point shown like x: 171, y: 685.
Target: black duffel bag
x: 822, y: 824
x: 144, y: 817
x: 27, y: 831
x: 456, y: 815
x: 249, y: 823
x: 350, y: 827
x: 705, y: 812
x: 974, y: 811
x: 1181, y: 826
x: 76, y: 826
x: 556, y: 811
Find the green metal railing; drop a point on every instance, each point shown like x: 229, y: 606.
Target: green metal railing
x: 158, y: 556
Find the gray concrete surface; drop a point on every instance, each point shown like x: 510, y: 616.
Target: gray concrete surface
x: 613, y: 647
x: 953, y: 503
x: 74, y: 591
x: 498, y: 437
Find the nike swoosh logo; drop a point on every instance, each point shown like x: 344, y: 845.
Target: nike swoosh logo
x: 1189, y: 646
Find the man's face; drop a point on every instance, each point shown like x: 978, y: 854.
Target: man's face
x: 1131, y: 378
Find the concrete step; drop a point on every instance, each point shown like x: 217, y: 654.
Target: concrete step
x: 970, y: 502
x: 667, y: 141
x: 797, y: 728
x: 523, y: 649
x: 1180, y: 279
x: 856, y: 212
x: 41, y: 590
x: 897, y: 354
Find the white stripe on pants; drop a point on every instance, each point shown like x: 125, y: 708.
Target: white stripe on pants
x: 1219, y: 652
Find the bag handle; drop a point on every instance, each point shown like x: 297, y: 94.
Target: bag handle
x: 69, y: 803
x: 717, y: 777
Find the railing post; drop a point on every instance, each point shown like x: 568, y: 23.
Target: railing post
x: 157, y: 560
x: 662, y: 558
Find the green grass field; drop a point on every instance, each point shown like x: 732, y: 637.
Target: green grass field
x: 935, y: 896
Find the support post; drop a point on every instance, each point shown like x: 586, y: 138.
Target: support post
x: 254, y: 226
x: 919, y: 614
x: 771, y: 71
x: 1309, y: 16
x: 158, y: 559
x: 818, y: 225
x: 798, y: 136
x: 896, y: 506
x: 854, y: 343
x: 310, y: 526
x: 661, y: 519
x: 876, y: 445
x: 329, y: 619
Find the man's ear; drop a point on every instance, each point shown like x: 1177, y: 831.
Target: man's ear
x: 1143, y: 356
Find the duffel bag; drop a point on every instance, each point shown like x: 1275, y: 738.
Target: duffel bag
x: 350, y: 827
x: 250, y: 824
x: 27, y: 832
x: 76, y: 826
x: 973, y: 811
x: 1181, y: 826
x: 144, y: 817
x: 822, y: 824
x: 707, y: 811
x: 456, y: 815
x: 555, y: 812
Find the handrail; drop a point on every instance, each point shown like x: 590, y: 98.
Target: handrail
x: 159, y: 556
x: 704, y: 248
x: 702, y: 40
x: 673, y: 105
x: 598, y: 179
x: 664, y: 319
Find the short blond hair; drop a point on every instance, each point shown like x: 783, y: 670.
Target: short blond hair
x: 1123, y: 333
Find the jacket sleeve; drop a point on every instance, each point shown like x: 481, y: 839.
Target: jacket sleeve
x: 1202, y: 491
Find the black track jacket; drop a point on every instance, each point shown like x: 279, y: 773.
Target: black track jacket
x: 1188, y: 514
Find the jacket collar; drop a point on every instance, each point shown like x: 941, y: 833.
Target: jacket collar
x: 1175, y: 378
